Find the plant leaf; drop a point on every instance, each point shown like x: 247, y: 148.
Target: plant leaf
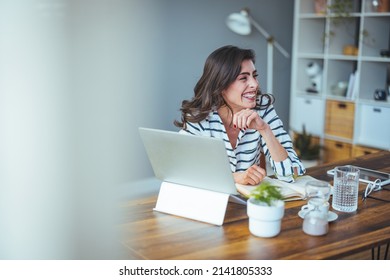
x: 267, y: 193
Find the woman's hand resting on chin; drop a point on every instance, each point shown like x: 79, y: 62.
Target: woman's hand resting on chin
x: 248, y: 118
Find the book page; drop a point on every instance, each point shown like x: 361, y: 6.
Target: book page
x: 291, y: 191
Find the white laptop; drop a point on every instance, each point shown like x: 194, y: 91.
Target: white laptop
x: 189, y: 160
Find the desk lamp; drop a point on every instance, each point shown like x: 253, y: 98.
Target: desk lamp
x: 241, y: 23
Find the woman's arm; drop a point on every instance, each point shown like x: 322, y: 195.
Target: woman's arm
x: 277, y: 151
x: 275, y: 141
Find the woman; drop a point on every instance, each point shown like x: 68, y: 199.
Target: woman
x: 228, y: 104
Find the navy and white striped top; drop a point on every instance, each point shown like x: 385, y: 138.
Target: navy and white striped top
x: 250, y: 143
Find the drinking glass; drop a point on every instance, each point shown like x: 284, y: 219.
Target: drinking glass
x: 346, y: 188
x: 318, y: 189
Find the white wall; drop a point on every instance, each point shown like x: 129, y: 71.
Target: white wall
x: 77, y: 79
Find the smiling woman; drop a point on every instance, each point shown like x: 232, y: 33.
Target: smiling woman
x: 228, y: 104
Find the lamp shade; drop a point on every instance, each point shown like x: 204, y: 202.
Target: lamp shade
x: 239, y: 23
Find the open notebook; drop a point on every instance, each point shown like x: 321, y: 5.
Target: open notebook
x: 291, y: 191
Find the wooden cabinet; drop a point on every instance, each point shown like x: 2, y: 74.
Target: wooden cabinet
x: 339, y: 118
x: 353, y: 118
x: 336, y: 150
x: 358, y: 151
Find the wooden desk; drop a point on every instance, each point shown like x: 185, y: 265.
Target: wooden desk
x: 152, y: 235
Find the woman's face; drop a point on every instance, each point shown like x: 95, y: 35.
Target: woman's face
x: 241, y: 94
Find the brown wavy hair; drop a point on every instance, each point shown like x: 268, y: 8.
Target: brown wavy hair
x: 221, y: 69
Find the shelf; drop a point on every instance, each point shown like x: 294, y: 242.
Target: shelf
x: 351, y: 15
x: 338, y: 139
x: 318, y: 38
x: 342, y: 57
x: 305, y: 94
x: 373, y: 102
x: 375, y: 59
x: 376, y: 14
x: 311, y: 55
x: 312, y: 16
x: 339, y: 98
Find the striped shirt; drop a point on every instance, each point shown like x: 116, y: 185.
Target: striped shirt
x: 250, y: 144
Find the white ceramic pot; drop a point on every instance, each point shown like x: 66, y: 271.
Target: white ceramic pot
x: 264, y: 220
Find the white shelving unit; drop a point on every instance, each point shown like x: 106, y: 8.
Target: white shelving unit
x: 317, y: 38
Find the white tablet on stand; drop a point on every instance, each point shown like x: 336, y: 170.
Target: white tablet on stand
x: 197, y: 182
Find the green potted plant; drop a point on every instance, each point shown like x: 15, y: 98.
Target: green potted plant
x: 265, y: 209
x: 308, y: 152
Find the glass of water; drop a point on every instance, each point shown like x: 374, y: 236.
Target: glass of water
x: 317, y: 189
x: 346, y: 188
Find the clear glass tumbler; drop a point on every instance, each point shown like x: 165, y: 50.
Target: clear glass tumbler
x: 318, y: 189
x: 346, y: 188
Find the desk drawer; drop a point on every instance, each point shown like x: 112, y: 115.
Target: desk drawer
x: 336, y: 150
x: 340, y: 118
x: 358, y: 151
